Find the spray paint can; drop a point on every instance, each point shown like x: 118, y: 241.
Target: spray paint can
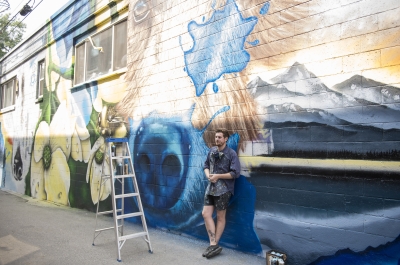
x: 120, y: 169
x: 113, y: 150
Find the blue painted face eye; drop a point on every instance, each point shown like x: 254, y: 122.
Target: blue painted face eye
x: 171, y: 166
x: 144, y: 163
x: 140, y: 10
x: 161, y: 162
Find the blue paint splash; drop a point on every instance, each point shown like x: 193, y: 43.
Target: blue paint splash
x: 265, y: 8
x: 213, y: 4
x: 254, y: 43
x: 218, y: 46
x: 215, y: 87
x: 221, y: 110
x: 62, y: 23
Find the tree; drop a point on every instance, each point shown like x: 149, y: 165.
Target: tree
x: 11, y: 33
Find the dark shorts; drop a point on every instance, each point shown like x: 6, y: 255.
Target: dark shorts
x: 220, y: 202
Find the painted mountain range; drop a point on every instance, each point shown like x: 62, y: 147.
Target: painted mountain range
x: 359, y: 117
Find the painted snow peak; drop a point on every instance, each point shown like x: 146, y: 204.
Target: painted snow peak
x: 218, y: 46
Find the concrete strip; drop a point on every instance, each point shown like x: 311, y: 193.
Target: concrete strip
x: 12, y: 249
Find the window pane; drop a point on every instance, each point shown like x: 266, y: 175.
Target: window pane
x: 120, y: 47
x: 8, y: 94
x: 41, y: 87
x: 99, y: 62
x: 79, y: 63
x: 41, y: 70
x: 41, y: 79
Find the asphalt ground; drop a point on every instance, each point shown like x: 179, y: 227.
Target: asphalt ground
x: 41, y: 232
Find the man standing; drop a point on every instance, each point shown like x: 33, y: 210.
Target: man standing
x: 221, y: 167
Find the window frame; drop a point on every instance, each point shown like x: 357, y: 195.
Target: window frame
x: 86, y: 42
x: 38, y: 94
x: 12, y: 105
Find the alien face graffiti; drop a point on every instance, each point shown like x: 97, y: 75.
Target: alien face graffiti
x: 161, y: 160
x: 17, y: 166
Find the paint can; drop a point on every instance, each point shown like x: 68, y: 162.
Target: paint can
x: 276, y: 258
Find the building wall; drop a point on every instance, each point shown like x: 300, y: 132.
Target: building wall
x: 309, y: 90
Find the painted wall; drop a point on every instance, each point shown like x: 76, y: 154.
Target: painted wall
x: 310, y: 91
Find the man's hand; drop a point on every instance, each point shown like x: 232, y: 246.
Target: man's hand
x: 213, y: 178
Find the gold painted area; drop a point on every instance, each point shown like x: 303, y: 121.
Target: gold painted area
x: 110, y: 77
x: 390, y: 56
x: 113, y: 87
x: 360, y: 165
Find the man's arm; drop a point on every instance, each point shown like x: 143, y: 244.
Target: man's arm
x: 235, y: 165
x: 214, y: 177
x: 206, y: 166
x: 207, y: 172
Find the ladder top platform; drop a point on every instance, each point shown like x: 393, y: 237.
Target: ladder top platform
x: 116, y: 140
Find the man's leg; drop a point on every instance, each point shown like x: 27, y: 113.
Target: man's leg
x: 221, y: 221
x: 216, y: 249
x: 209, y: 222
x: 221, y: 203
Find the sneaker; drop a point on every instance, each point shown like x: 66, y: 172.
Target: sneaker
x: 214, y: 252
x: 208, y: 249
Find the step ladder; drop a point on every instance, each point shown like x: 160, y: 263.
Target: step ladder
x: 124, y: 170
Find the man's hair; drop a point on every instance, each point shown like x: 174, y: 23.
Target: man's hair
x: 224, y: 132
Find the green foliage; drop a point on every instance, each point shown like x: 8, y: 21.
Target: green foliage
x: 92, y: 127
x: 79, y: 191
x: 99, y: 157
x: 11, y: 35
x: 28, y: 183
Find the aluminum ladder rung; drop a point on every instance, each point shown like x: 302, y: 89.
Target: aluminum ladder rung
x: 104, y: 229
x: 126, y: 195
x: 123, y: 216
x: 110, y: 211
x: 120, y: 157
x: 132, y: 236
x: 124, y: 176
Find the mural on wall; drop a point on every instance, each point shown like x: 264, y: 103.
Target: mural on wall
x: 58, y: 132
x: 318, y: 137
x: 301, y: 118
